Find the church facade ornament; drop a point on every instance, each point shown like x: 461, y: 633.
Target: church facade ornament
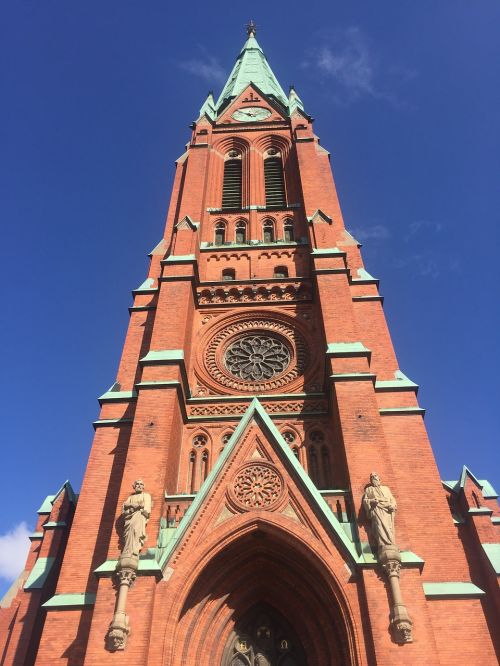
x: 135, y: 514
x: 380, y: 507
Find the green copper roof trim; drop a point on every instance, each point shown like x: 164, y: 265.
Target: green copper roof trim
x: 70, y: 601
x: 146, y: 287
x: 327, y: 252
x: 353, y: 377
x: 364, y: 277
x: 486, y: 488
x: 53, y: 525
x: 347, y: 349
x: 158, y: 248
x: 294, y: 102
x: 492, y: 551
x: 48, y: 502
x: 251, y: 67
x: 104, y: 423
x: 452, y: 590
x: 148, y: 566
x: 117, y: 396
x: 36, y: 536
x: 319, y: 213
x: 495, y: 520
x: 208, y: 108
x: 401, y: 411
x: 39, y: 573
x: 480, y: 511
x: 399, y: 383
x: 163, y: 356
x: 179, y: 259
x: 368, y: 558
x: 257, y: 412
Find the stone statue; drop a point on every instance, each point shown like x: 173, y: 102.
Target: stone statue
x: 380, y: 507
x: 136, y: 512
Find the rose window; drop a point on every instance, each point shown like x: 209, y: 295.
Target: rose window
x: 257, y: 357
x: 257, y: 486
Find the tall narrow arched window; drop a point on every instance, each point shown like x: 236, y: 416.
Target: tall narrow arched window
x: 313, y: 465
x: 191, y: 472
x: 228, y: 274
x: 288, y: 231
x: 241, y: 232
x: 274, y: 180
x: 325, y: 464
x: 220, y: 233
x: 204, y: 465
x: 232, y: 185
x: 280, y: 272
x: 268, y: 231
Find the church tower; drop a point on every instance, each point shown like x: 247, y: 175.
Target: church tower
x: 261, y: 489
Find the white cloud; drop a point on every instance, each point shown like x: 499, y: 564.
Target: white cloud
x: 14, y: 546
x: 347, y: 57
x: 375, y: 232
x: 207, y: 68
x: 427, y: 226
x: 349, y: 62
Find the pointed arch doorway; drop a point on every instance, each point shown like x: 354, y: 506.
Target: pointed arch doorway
x: 264, y: 599
x: 263, y: 637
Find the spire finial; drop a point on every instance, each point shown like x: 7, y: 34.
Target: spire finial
x: 251, y: 28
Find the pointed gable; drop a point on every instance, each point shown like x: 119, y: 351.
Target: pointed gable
x: 273, y: 454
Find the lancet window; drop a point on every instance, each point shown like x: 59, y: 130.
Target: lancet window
x: 220, y: 233
x: 268, y: 231
x: 232, y: 185
x: 288, y: 231
x: 241, y: 232
x: 274, y: 179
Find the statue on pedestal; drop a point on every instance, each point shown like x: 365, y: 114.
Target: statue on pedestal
x: 380, y: 507
x: 136, y: 512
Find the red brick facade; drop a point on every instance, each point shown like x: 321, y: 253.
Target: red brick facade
x: 339, y: 402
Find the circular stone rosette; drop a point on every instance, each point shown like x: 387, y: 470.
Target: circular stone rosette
x: 256, y: 485
x: 256, y: 355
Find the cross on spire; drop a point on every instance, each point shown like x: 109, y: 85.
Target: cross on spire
x: 251, y: 28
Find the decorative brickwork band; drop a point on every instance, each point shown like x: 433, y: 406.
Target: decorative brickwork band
x: 380, y: 507
x: 136, y: 512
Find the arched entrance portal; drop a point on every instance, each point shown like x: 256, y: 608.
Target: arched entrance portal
x: 263, y: 638
x: 263, y: 581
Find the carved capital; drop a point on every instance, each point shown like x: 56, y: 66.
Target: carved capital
x: 392, y: 567
x: 126, y: 576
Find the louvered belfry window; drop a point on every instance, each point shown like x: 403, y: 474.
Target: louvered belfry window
x: 274, y: 182
x: 231, y: 188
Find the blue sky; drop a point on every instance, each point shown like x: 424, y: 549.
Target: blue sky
x: 97, y: 99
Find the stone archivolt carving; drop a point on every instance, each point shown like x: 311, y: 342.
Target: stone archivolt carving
x: 380, y: 507
x: 257, y: 485
x: 136, y: 512
x: 227, y: 340
x: 257, y: 357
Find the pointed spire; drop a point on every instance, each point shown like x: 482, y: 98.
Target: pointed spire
x: 208, y: 107
x: 251, y: 67
x: 294, y: 101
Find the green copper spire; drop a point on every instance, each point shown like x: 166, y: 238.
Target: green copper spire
x: 251, y: 67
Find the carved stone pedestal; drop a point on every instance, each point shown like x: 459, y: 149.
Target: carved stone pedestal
x: 401, y: 624
x: 119, y: 629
